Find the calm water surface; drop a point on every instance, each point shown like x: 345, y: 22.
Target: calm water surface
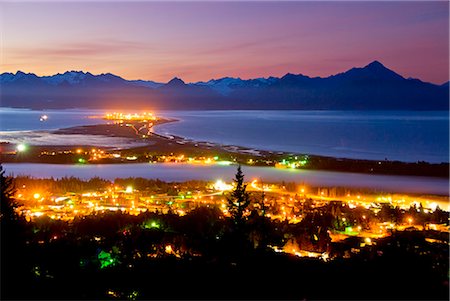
x: 403, y: 135
x: 28, y: 120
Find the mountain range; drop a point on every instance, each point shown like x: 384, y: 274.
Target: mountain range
x: 373, y: 87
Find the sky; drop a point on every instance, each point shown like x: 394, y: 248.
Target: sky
x: 198, y: 41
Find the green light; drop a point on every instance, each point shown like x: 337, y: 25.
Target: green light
x: 216, y: 158
x: 349, y: 231
x: 293, y: 165
x: 82, y: 263
x: 133, y: 295
x: 81, y: 160
x: 224, y: 162
x: 36, y: 271
x: 303, y: 162
x: 106, y: 259
x: 150, y: 224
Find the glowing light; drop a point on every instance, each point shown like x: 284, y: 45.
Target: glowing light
x: 433, y: 206
x: 303, y: 162
x: 43, y: 118
x: 106, y: 259
x: 151, y: 224
x: 222, y: 186
x: 21, y: 147
x: 168, y: 249
x: 129, y: 189
x: 36, y: 195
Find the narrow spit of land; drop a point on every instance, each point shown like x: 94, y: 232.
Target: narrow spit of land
x: 159, y: 148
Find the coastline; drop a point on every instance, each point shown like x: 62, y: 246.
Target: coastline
x: 160, y: 148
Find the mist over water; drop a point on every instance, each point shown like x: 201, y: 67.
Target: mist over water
x: 184, y: 172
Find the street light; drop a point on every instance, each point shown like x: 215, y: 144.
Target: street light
x: 21, y: 147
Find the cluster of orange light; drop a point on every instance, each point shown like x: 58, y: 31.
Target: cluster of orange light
x: 136, y: 117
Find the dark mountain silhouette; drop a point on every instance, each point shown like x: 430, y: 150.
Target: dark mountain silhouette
x: 373, y: 87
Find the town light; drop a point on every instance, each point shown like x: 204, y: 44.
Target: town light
x: 222, y: 186
x: 21, y: 147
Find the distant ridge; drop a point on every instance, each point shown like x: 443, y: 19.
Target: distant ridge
x: 372, y: 87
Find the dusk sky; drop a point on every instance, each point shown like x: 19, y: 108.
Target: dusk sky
x: 203, y: 40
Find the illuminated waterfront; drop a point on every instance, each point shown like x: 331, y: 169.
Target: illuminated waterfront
x: 312, y: 132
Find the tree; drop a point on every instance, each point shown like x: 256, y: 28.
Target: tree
x: 239, y: 199
x: 8, y: 205
x: 14, y: 269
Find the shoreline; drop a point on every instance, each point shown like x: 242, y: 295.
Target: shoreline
x: 172, y: 148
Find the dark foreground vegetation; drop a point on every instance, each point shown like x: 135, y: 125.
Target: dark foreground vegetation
x: 205, y: 255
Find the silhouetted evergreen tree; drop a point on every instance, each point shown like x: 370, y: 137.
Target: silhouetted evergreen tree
x: 13, y: 261
x: 8, y: 205
x: 239, y: 199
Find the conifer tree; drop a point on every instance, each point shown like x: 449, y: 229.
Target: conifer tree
x: 12, y: 257
x: 8, y: 205
x: 239, y: 199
